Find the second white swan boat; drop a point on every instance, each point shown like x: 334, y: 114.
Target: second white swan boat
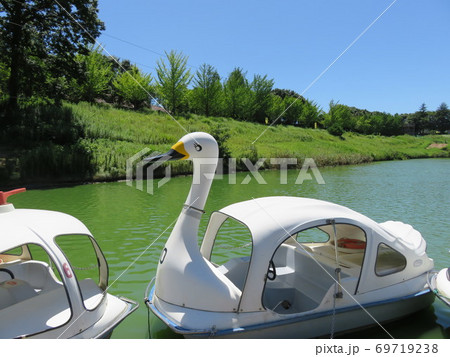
x: 53, y: 277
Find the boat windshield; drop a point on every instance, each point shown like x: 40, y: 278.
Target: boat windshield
x: 232, y: 240
x: 232, y: 250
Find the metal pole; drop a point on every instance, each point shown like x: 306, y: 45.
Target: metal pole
x: 339, y: 294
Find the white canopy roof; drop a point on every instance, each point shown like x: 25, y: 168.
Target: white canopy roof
x: 273, y: 219
x: 21, y: 226
x: 270, y: 217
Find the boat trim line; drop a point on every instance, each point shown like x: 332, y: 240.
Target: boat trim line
x: 212, y: 332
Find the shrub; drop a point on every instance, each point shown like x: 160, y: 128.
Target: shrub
x: 336, y: 129
x: 134, y: 87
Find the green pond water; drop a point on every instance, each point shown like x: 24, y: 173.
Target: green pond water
x: 131, y: 225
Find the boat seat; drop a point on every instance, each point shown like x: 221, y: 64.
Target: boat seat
x: 38, y: 274
x: 347, y: 259
x: 6, y: 298
x: 313, y: 290
x: 236, y: 270
x: 44, y: 311
x: 14, y: 291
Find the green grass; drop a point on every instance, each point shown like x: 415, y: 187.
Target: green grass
x: 113, y: 135
x: 110, y: 136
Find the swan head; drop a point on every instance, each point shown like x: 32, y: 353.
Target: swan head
x: 192, y: 146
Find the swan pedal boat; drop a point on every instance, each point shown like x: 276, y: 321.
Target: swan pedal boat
x: 311, y: 268
x: 43, y: 293
x: 440, y: 284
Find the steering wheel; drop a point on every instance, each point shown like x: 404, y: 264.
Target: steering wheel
x: 8, y: 272
x: 271, y: 272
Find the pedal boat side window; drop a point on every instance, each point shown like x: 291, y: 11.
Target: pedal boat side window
x: 389, y: 261
x: 89, y: 266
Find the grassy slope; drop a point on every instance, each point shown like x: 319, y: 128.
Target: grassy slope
x: 114, y: 135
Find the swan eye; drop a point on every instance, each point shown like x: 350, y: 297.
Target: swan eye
x: 197, y: 147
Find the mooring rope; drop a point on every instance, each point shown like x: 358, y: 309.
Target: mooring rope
x: 91, y: 267
x: 228, y: 247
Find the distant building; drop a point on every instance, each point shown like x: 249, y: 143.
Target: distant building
x: 157, y: 108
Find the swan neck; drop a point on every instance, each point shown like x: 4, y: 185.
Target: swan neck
x: 202, y: 178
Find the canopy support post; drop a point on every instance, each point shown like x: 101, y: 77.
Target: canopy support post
x: 338, y: 294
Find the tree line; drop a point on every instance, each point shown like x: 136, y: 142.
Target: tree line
x: 46, y: 56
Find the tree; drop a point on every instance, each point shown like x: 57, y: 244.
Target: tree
x: 282, y: 93
x: 442, y: 118
x: 393, y: 124
x: 293, y: 109
x: 206, y: 95
x: 173, y: 80
x: 309, y: 115
x: 364, y: 123
x: 261, y: 87
x: 420, y: 119
x: 96, y: 75
x: 275, y: 109
x: 298, y: 110
x: 39, y: 40
x: 134, y: 87
x: 237, y: 95
x: 338, y: 119
x: 4, y: 74
x: 382, y: 123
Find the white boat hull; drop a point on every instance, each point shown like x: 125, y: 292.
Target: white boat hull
x: 317, y: 324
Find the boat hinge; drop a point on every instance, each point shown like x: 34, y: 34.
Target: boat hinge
x: 194, y: 208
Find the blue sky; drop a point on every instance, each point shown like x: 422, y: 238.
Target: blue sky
x: 402, y: 61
